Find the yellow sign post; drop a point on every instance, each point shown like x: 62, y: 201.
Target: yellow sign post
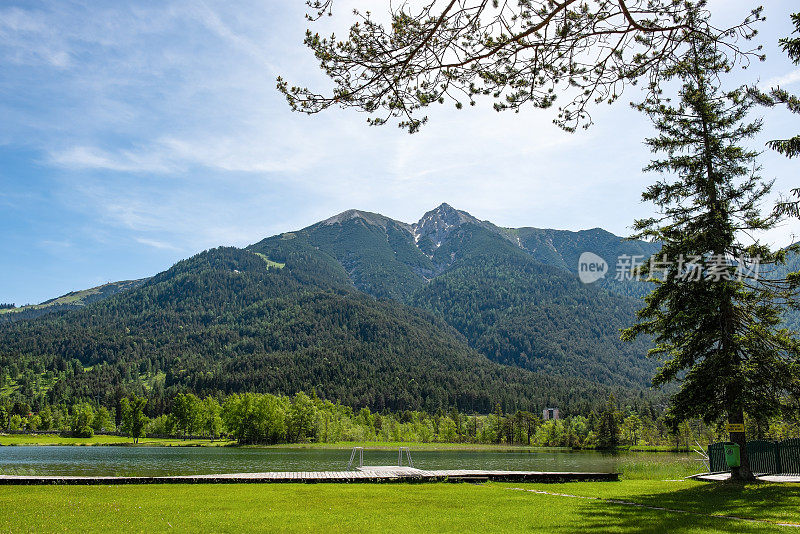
x: 734, y: 427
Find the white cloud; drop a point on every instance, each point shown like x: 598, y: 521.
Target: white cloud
x: 174, y: 103
x: 250, y: 47
x: 259, y: 152
x: 262, y: 152
x: 26, y: 38
x: 155, y: 243
x: 781, y: 81
x: 85, y: 157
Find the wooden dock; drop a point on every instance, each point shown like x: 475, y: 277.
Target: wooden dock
x: 379, y: 474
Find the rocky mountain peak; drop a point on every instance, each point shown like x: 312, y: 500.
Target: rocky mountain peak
x: 373, y: 219
x: 437, y: 224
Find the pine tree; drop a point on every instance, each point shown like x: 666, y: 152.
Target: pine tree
x: 608, y: 429
x: 498, y: 413
x: 715, y: 323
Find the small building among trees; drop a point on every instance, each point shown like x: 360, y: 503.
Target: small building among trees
x: 550, y: 414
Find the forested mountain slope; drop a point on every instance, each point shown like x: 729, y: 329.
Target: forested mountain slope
x: 377, y: 253
x: 521, y: 312
x: 231, y: 320
x: 361, y: 308
x: 513, y: 293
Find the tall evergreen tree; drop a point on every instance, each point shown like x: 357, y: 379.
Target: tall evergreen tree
x: 608, y: 429
x: 715, y: 324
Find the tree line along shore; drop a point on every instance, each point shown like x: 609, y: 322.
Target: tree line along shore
x: 265, y: 419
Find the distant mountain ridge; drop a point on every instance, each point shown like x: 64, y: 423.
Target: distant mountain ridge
x: 512, y: 292
x: 71, y: 301
x: 560, y: 248
x: 412, y: 243
x: 365, y: 309
x: 229, y: 320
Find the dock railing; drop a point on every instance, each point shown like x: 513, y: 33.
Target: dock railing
x: 400, y: 452
x: 357, y: 458
x: 357, y: 454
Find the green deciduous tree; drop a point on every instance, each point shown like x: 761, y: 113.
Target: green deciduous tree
x: 498, y: 423
x: 81, y: 420
x: 15, y: 422
x: 302, y: 418
x: 255, y: 418
x: 186, y: 411
x: 715, y: 323
x: 133, y: 418
x: 631, y: 429
x: 102, y: 420
x: 45, y: 418
x: 210, y: 417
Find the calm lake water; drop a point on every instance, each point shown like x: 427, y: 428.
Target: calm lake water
x: 161, y: 461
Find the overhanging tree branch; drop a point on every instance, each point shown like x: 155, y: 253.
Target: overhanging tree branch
x: 531, y: 52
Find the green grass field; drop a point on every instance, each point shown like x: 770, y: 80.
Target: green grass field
x: 400, y: 507
x: 649, y: 481
x: 269, y: 261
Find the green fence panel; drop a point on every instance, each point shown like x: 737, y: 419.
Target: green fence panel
x: 716, y: 457
x: 766, y: 457
x: 790, y: 456
x: 763, y: 456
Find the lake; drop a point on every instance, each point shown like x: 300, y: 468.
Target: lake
x: 163, y: 461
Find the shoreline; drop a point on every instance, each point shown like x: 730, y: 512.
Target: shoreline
x: 105, y: 440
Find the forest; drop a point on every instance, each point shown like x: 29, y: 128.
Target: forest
x: 227, y: 321
x: 264, y: 419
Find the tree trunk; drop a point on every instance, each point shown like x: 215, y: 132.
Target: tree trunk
x: 743, y: 472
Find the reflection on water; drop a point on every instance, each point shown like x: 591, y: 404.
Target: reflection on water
x: 161, y: 461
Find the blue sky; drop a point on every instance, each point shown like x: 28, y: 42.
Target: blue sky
x: 134, y: 134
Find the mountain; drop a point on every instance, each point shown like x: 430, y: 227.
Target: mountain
x: 562, y: 248
x: 792, y: 315
x: 377, y: 253
x: 231, y: 320
x: 361, y: 308
x: 513, y: 293
x: 71, y: 301
x: 520, y: 312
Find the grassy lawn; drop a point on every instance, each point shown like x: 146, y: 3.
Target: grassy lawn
x: 269, y: 261
x: 397, y: 507
x: 769, y: 502
x: 55, y: 439
x: 649, y: 480
x: 647, y: 466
